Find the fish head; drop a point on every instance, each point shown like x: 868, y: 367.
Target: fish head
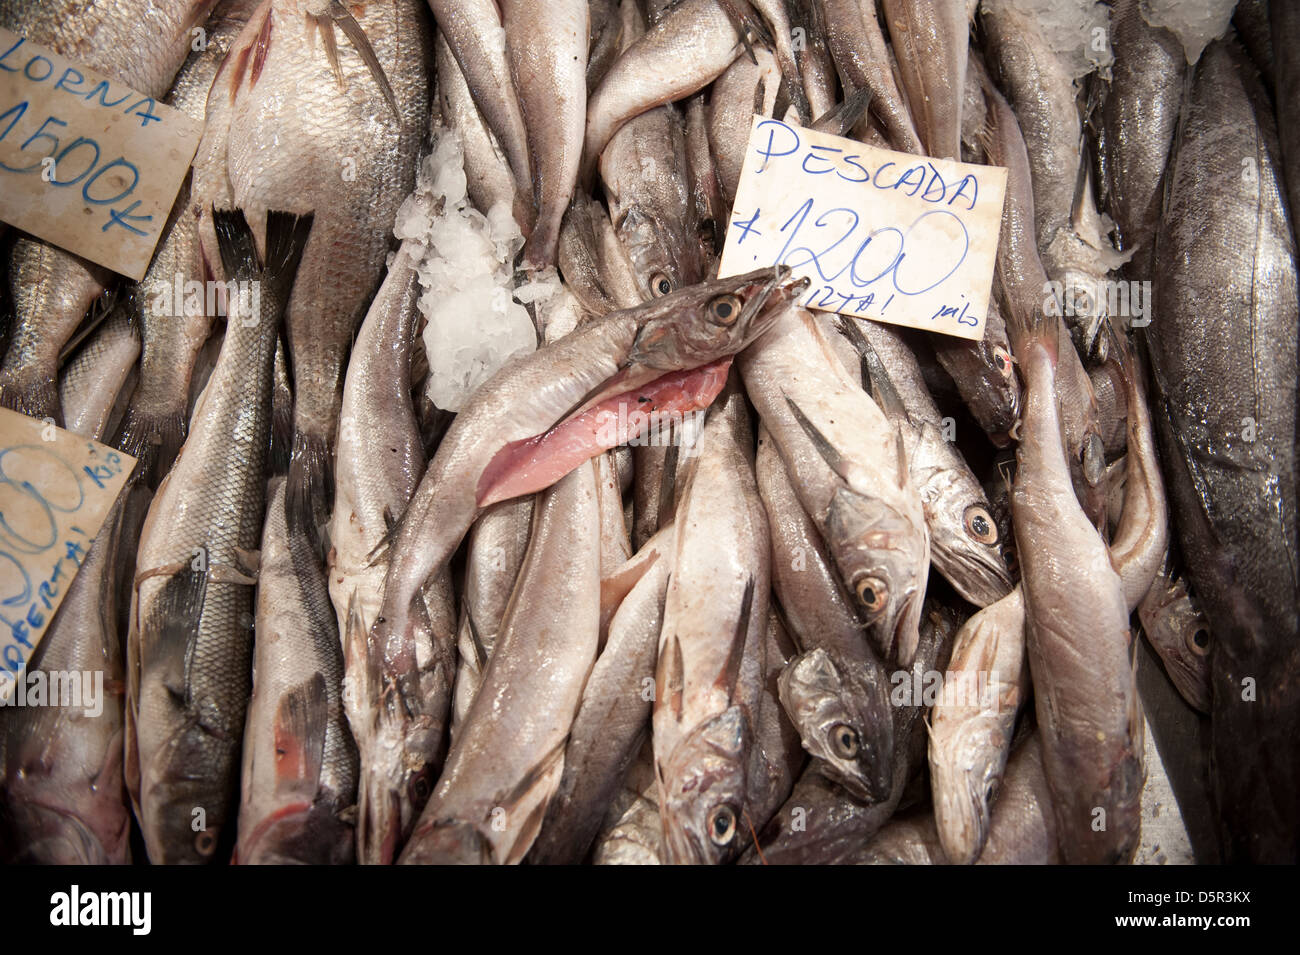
x: 447, y: 842
x: 710, y: 320
x: 842, y: 712
x: 883, y: 557
x: 661, y: 253
x: 183, y: 816
x: 395, y: 784
x: 35, y: 833
x: 964, y: 535
x: 1181, y: 635
x: 1000, y: 388
x: 300, y: 833
x: 966, y: 769
x: 702, y: 791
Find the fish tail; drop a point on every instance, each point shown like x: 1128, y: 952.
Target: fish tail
x: 36, y: 399
x: 154, y: 440
x: 309, y: 490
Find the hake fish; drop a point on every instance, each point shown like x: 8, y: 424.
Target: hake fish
x: 190, y: 646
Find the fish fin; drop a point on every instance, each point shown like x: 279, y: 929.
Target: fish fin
x: 823, y: 446
x: 731, y: 670
x: 36, y: 399
x: 309, y: 490
x: 154, y: 440
x: 236, y: 244
x: 531, y: 777
x: 667, y: 485
x: 286, y: 237
x: 326, y: 28
x: 675, y: 676
x: 281, y: 414
x: 344, y: 20
x: 174, y: 628
x: 527, y: 833
x: 480, y: 651
x: 300, y: 725
x: 875, y: 377
x: 844, y: 116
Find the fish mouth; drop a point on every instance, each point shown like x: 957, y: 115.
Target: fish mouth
x: 60, y: 838
x: 447, y: 842
x: 978, y: 576
x: 904, y: 630
x: 381, y: 809
x: 766, y: 300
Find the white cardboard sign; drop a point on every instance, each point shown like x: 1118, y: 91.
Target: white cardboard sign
x: 890, y: 236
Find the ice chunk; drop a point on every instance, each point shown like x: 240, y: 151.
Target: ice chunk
x: 1194, y: 22
x: 465, y: 265
x: 1077, y: 31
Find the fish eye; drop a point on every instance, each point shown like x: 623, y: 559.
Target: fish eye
x: 724, y: 310
x: 722, y: 825
x: 1002, y: 360
x: 844, y: 740
x: 872, y: 592
x: 420, y: 788
x: 205, y: 843
x: 660, y: 285
x: 1199, y: 641
x: 990, y: 790
x: 980, y: 525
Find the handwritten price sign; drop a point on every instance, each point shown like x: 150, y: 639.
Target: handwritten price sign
x: 85, y: 162
x: 899, y: 238
x: 56, y: 489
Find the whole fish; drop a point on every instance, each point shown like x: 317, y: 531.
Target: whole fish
x: 516, y: 435
x: 850, y: 469
x: 707, y: 688
x: 506, y: 763
x: 972, y: 723
x: 300, y: 764
x: 611, y: 723
x: 1226, y: 422
x: 174, y: 321
x: 746, y: 89
x: 62, y: 799
x: 546, y: 45
x: 1078, y: 633
x: 927, y: 35
x: 190, y: 646
x: 684, y: 52
x: 333, y: 129
x: 141, y: 43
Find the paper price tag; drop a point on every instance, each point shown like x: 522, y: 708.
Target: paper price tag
x: 87, y: 163
x: 56, y: 490
x: 890, y: 236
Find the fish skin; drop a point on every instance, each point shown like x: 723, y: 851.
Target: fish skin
x: 858, y: 47
x: 1078, y: 636
x: 931, y: 41
x: 296, y: 102
x: 684, y: 52
x: 190, y: 645
x: 1234, y: 500
x: 611, y: 724
x: 141, y: 43
x: 707, y: 686
x: 504, y: 767
x: 474, y: 32
x: 1139, y: 115
x: 631, y: 833
x: 868, y: 511
x: 529, y: 394
x: 1284, y: 21
x: 745, y: 89
x: 820, y: 82
x: 498, y: 542
x: 546, y: 45
x: 971, y: 740
x: 300, y: 764
x: 92, y: 379
x: 62, y: 797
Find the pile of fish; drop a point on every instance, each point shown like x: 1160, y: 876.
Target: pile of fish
x: 496, y: 528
